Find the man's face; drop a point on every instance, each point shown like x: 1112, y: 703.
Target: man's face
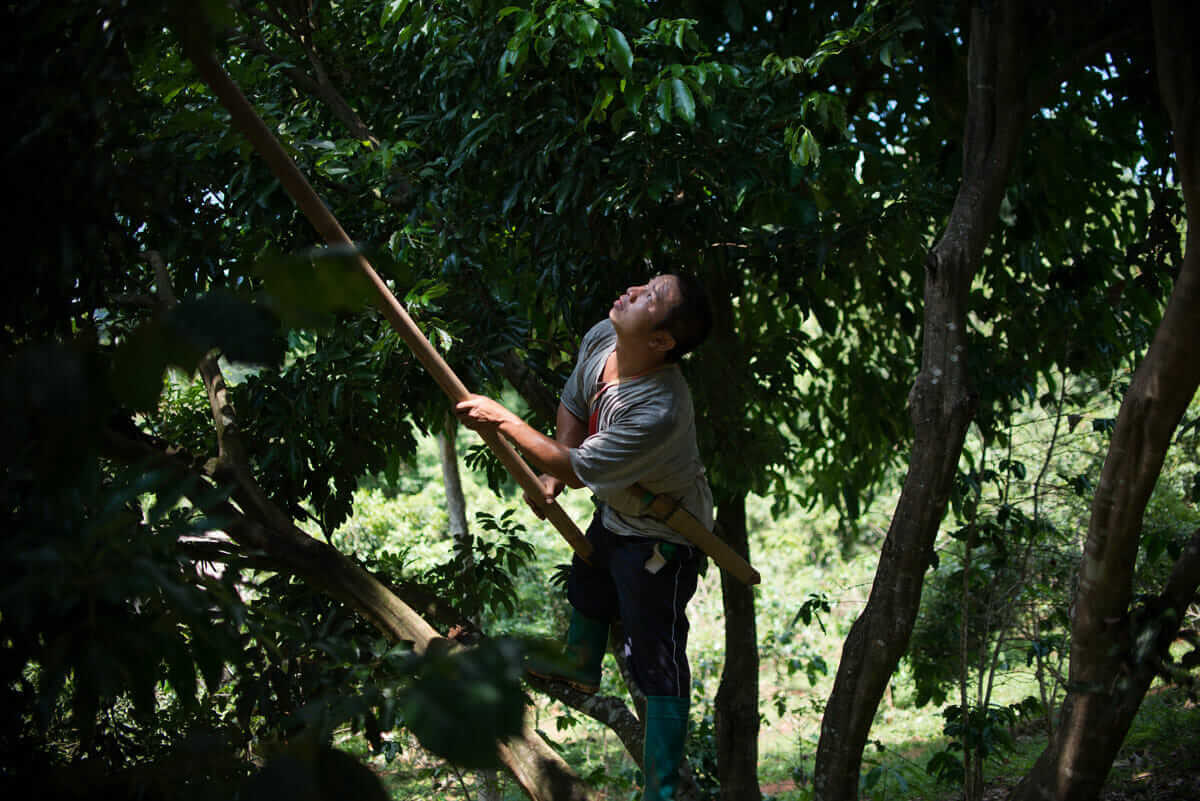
x: 640, y: 310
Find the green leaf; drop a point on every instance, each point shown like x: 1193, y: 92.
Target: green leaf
x: 482, y: 685
x: 243, y: 331
x: 588, y: 25
x: 809, y: 148
x: 619, y: 54
x: 507, y: 60
x: 542, y: 47
x: 392, y: 12
x: 685, y: 104
x: 308, y: 288
x: 663, y: 96
x: 138, y: 365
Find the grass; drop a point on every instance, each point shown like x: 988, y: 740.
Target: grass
x: 1163, y: 742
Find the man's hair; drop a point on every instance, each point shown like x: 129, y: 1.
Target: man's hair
x: 689, y: 320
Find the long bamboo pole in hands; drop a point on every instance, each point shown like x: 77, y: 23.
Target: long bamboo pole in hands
x: 297, y: 186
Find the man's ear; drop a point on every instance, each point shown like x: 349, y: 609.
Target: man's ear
x: 661, y: 341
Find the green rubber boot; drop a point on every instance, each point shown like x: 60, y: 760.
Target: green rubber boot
x: 666, y: 731
x: 583, y: 656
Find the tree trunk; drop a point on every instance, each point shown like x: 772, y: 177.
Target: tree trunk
x: 1095, y: 718
x: 456, y: 502
x: 972, y: 764
x: 736, y: 707
x: 456, y: 511
x: 1111, y: 668
x: 941, y: 403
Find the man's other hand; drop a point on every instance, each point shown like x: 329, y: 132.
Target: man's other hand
x: 551, y: 487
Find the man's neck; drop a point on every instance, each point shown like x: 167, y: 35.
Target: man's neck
x: 629, y: 360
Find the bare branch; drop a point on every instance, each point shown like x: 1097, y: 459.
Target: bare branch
x: 1041, y: 93
x: 291, y: 550
x: 321, y: 86
x: 607, y: 709
x: 397, y: 200
x: 1180, y: 590
x: 135, y: 300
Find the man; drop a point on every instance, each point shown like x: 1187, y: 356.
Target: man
x: 626, y: 417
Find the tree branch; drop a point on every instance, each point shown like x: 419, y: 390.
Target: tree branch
x: 321, y: 87
x: 293, y: 550
x: 1040, y: 93
x: 529, y: 385
x: 272, y: 17
x: 607, y: 709
x: 396, y: 201
x: 299, y: 77
x: 135, y: 300
x: 1181, y: 586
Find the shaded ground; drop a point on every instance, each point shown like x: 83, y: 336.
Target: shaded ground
x: 1155, y: 782
x: 1160, y: 760
x: 1163, y: 781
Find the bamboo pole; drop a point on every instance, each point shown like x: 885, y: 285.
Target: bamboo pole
x: 297, y: 186
x: 681, y: 520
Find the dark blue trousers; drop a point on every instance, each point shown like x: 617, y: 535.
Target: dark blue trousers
x: 651, y: 606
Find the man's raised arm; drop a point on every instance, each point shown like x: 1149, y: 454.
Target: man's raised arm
x: 551, y: 456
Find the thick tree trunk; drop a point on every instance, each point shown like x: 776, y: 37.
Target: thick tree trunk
x: 1110, y: 670
x: 737, y: 720
x: 735, y: 708
x: 941, y: 402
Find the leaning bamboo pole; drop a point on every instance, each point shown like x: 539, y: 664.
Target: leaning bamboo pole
x: 297, y: 186
x: 539, y: 770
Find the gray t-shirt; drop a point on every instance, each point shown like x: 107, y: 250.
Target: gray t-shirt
x: 645, y: 433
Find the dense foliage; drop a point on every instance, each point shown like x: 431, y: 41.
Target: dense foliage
x: 509, y: 168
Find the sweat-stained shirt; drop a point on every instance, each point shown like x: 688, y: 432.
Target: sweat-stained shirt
x: 643, y: 431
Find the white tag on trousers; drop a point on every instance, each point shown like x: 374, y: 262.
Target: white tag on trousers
x: 656, y: 562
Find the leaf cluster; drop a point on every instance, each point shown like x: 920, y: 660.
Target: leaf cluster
x: 481, y: 576
x: 1019, y: 571
x: 985, y: 731
x: 111, y: 627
